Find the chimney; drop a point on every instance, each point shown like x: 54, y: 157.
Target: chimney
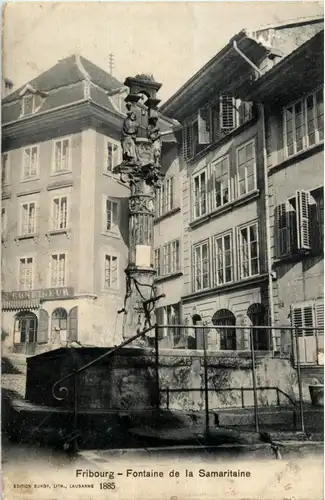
x: 7, y: 86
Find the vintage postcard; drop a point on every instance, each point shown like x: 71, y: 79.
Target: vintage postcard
x: 162, y: 230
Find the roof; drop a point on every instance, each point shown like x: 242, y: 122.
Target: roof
x: 286, y: 80
x: 69, y: 71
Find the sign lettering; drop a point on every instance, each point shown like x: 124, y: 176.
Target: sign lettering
x: 41, y: 294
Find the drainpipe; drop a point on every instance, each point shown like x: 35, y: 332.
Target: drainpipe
x: 266, y: 198
x: 267, y: 226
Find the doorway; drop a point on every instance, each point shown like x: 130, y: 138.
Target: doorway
x: 25, y: 332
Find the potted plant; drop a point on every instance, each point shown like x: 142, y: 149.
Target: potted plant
x: 316, y: 391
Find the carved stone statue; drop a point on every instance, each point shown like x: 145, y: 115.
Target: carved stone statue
x: 128, y: 136
x: 154, y: 136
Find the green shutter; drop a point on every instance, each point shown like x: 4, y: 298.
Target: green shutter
x: 73, y: 324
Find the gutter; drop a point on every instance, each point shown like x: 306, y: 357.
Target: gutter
x: 242, y: 55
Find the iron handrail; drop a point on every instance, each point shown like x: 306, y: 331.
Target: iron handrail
x: 65, y: 391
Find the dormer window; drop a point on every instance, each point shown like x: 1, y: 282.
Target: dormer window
x: 31, y: 100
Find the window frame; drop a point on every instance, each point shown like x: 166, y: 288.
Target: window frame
x: 247, y: 226
x: 214, y: 178
x: 202, y: 171
x: 232, y: 266
x: 165, y: 197
x: 109, y: 253
x: 69, y: 166
x: 30, y: 177
x: 59, y: 197
x: 115, y: 231
x: 21, y: 219
x: 58, y: 252
x: 24, y: 97
x: 238, y: 148
x: 6, y: 180
x: 194, y: 265
x: 26, y: 257
x: 305, y: 137
x: 113, y: 142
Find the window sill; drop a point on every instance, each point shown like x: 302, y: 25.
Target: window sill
x: 160, y: 279
x: 67, y: 232
x: 242, y: 200
x: 166, y: 215
x: 298, y: 156
x: 30, y: 179
x: 5, y: 195
x: 227, y: 286
x: 111, y: 234
x: 61, y: 172
x: 59, y: 185
x: 21, y: 237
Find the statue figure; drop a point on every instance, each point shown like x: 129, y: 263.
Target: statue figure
x: 154, y: 136
x: 128, y: 136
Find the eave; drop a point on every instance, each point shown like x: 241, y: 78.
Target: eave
x: 299, y: 73
x: 221, y: 72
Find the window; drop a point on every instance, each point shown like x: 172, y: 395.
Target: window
x: 165, y: 197
x: 111, y: 156
x: 223, y: 259
x: 60, y: 213
x: 26, y: 271
x: 28, y: 104
x: 111, y: 272
x: 201, y: 271
x: 158, y: 262
x: 111, y: 216
x: 248, y: 251
x: 171, y: 257
x: 59, y: 319
x: 58, y: 269
x: 190, y: 139
x: 246, y: 168
x: 4, y: 168
x: 30, y: 162
x: 299, y: 223
x: 169, y: 315
x: 3, y: 219
x: 61, y: 155
x: 304, y: 123
x: 28, y: 218
x: 306, y: 317
x: 200, y: 194
x: 220, y: 171
x: 221, y: 318
x: 25, y: 328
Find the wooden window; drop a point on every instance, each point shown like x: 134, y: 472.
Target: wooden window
x: 111, y: 272
x: 4, y: 168
x: 165, y: 197
x: 61, y: 155
x: 201, y: 266
x: 227, y: 113
x: 58, y: 268
x: 246, y: 168
x: 30, y: 162
x: 304, y: 123
x: 220, y: 172
x: 223, y: 259
x: 111, y: 156
x: 28, y: 218
x: 60, y: 213
x: 26, y: 273
x: 204, y: 126
x: 248, y: 250
x: 28, y: 104
x: 158, y: 262
x: 200, y: 198
x: 111, y: 216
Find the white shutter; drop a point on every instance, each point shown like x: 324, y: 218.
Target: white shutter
x: 204, y: 125
x: 319, y: 314
x: 303, y: 223
x: 227, y: 112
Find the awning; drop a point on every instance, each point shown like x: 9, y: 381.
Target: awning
x: 20, y: 304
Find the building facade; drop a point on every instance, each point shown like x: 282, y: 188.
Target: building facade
x: 226, y: 224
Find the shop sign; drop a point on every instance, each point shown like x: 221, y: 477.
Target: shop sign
x: 40, y: 294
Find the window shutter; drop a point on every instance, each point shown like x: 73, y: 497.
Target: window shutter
x: 303, y: 223
x: 187, y: 142
x: 43, y: 327
x: 319, y: 314
x: 73, y: 324
x: 227, y: 113
x: 204, y: 125
x: 282, y: 230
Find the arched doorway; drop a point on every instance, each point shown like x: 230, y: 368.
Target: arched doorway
x: 257, y: 315
x: 25, y: 332
x: 224, y: 317
x: 59, y: 325
x: 195, y: 340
